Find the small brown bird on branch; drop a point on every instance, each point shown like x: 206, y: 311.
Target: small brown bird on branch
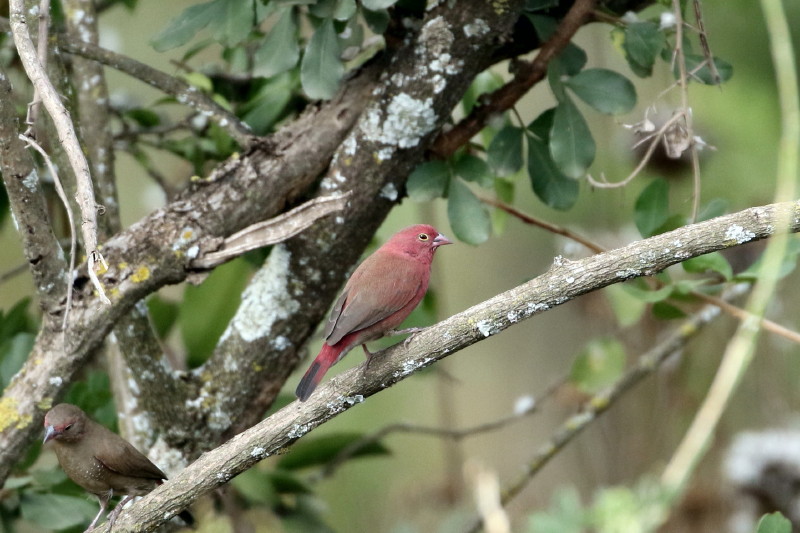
x: 100, y: 461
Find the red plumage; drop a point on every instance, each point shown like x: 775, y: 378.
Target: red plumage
x: 380, y: 294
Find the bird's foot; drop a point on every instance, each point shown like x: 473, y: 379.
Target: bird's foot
x: 393, y: 332
x: 112, y: 517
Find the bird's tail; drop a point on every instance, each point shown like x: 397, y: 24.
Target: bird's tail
x: 324, y: 360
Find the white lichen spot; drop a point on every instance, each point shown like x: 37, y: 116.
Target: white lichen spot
x: 524, y: 404
x: 349, y: 145
x: 385, y: 154
x: 570, y: 280
x: 476, y: 29
x: 281, y: 342
x: 559, y: 260
x: 389, y: 191
x: 55, y: 380
x: 514, y: 316
x: 407, y: 120
x: 192, y: 252
x: 398, y: 79
x: 627, y: 273
x: 297, y: 431
x: 486, y: 328
x: 352, y: 400
x: 339, y: 219
x: 258, y: 451
x: 133, y: 386
x: 440, y: 63
x: 231, y: 364
x: 411, y: 366
x: 439, y: 83
x: 30, y: 181
x: 266, y: 300
x: 536, y: 307
x: 667, y: 20
x: 739, y: 234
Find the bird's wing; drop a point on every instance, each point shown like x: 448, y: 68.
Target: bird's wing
x: 382, y: 285
x: 119, y: 456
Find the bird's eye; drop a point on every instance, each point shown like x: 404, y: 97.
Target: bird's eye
x: 423, y: 237
x: 68, y: 426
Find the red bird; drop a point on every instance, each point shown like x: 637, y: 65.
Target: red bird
x: 380, y: 294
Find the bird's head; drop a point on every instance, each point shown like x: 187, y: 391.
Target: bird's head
x: 64, y: 422
x: 419, y: 240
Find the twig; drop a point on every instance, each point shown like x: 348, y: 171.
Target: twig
x: 604, y: 400
x: 14, y: 272
x: 743, y: 315
x: 72, y: 231
x: 552, y: 228
x: 525, y: 407
x: 739, y: 352
x: 66, y: 134
x: 701, y: 33
x: 682, y: 82
x: 272, y: 231
x: 526, y: 76
x: 41, y: 51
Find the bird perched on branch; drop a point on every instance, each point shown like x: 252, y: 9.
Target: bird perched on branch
x: 99, y: 460
x: 380, y: 294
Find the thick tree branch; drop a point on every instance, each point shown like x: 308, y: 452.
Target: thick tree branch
x: 158, y: 250
x: 564, y: 281
x: 422, y: 83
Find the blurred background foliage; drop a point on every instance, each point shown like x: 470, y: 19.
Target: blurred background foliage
x: 573, y: 123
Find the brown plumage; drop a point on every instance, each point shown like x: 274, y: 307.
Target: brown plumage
x: 99, y: 460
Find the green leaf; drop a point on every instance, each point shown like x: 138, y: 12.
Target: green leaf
x: 774, y: 523
x: 377, y: 21
x: 375, y: 5
x: 571, y: 59
x: 566, y: 514
x: 279, y: 52
x: 268, y: 104
x: 537, y: 5
x: 715, y: 208
x: 469, y: 219
x: 428, y: 181
x: 13, y: 353
x: 667, y: 311
x: 703, y: 74
x: 550, y: 185
x: 788, y: 264
x: 642, y: 43
x: 485, y: 82
x: 344, y: 9
x: 321, y: 68
x: 505, y: 151
x: 651, y: 210
x: 714, y: 262
x: 645, y: 294
x: 474, y: 169
x: 599, y: 365
x: 571, y: 144
x: 604, y: 90
x: 183, y: 27
x: 234, y: 23
x: 321, y: 450
x: 143, y: 117
x: 287, y: 483
x: 56, y: 511
x: 16, y: 320
x: 542, y: 124
x: 202, y: 324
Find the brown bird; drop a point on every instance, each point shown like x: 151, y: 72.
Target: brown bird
x: 99, y: 460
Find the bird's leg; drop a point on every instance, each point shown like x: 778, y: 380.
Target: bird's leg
x: 117, y: 510
x: 368, y: 354
x: 103, y: 503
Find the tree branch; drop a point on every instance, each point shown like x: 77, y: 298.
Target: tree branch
x: 564, y: 281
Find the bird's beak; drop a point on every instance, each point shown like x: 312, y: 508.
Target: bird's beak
x: 49, y: 433
x: 441, y: 240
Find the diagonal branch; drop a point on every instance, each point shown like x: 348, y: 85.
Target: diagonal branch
x: 527, y: 74
x: 564, y: 281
